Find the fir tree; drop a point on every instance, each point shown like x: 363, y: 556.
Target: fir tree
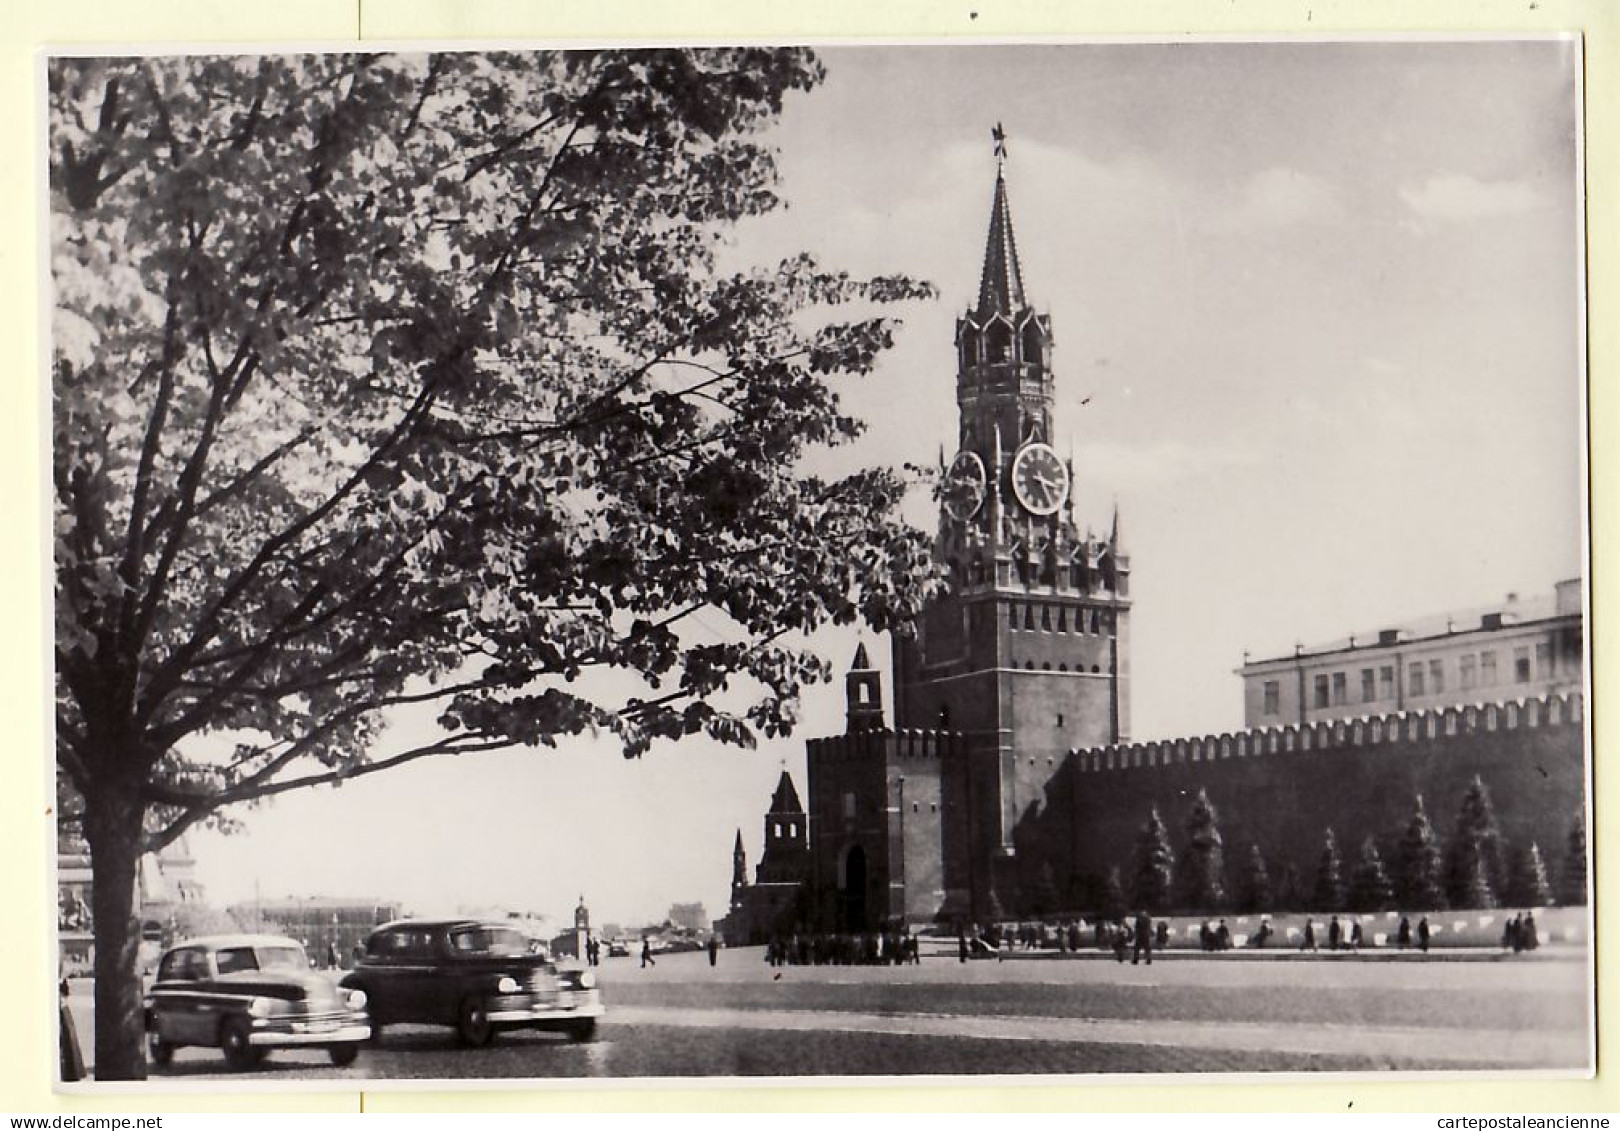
x: 1113, y: 895
x: 1154, y: 872
x: 1572, y: 880
x: 1370, y: 889
x: 1418, y: 864
x: 1203, y: 866
x: 1529, y: 887
x: 1254, y: 894
x: 1043, y: 896
x: 1476, y: 870
x: 1329, y: 879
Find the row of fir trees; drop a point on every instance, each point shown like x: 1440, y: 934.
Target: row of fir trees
x: 1473, y: 870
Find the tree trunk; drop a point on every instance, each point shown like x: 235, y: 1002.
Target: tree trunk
x: 113, y: 828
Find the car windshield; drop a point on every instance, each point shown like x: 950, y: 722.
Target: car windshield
x: 235, y: 958
x: 489, y: 940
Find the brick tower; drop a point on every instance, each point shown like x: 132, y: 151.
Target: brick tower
x: 1028, y: 653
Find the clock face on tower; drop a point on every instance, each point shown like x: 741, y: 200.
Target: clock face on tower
x: 964, y: 486
x: 1039, y: 479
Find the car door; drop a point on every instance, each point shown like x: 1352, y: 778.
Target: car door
x: 182, y: 1011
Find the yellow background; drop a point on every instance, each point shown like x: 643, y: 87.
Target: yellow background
x: 27, y: 991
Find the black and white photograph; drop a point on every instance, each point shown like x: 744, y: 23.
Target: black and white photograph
x: 1016, y: 561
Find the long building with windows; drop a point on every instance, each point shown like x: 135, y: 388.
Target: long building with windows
x: 1520, y: 648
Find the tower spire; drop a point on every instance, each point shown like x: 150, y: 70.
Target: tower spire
x: 1001, y: 286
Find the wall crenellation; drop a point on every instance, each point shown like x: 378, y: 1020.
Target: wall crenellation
x: 1394, y: 729
x: 904, y: 743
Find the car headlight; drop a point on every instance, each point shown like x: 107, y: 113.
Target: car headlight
x: 507, y: 985
x: 587, y: 980
x: 357, y: 999
x: 259, y: 1007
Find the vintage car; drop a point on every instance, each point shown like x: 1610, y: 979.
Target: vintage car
x: 479, y: 977
x: 246, y: 995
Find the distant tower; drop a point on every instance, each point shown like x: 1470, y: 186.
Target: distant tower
x: 739, y: 872
x: 787, y: 837
x: 582, y: 916
x: 863, y: 694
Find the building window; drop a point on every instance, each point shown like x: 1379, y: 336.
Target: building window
x: 1046, y: 617
x: 1386, y: 682
x: 849, y: 806
x: 1521, y: 665
x: 1487, y: 669
x: 1059, y: 722
x: 1466, y: 672
x: 1270, y: 696
x: 1012, y: 616
x: 776, y: 828
x: 1063, y: 620
x: 1029, y: 617
x: 1339, y: 691
x: 793, y: 828
x: 1369, y: 686
x: 1437, y: 677
x: 1320, y: 690
x: 1544, y: 668
x: 1414, y: 680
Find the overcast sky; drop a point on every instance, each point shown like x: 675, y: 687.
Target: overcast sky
x: 1323, y: 298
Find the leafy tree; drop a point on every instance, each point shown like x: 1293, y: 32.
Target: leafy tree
x: 1418, y: 871
x: 1329, y: 876
x: 1529, y: 887
x: 194, y: 919
x: 1476, y: 870
x: 1254, y: 890
x: 1370, y: 888
x: 1153, y: 875
x: 1572, y: 880
x: 1203, y: 868
x: 394, y: 383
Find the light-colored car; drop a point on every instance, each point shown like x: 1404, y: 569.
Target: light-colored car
x: 246, y: 995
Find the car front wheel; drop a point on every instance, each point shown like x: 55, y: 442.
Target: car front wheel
x: 238, y: 1048
x: 161, y: 1051
x: 582, y: 1030
x: 344, y: 1055
x: 474, y: 1024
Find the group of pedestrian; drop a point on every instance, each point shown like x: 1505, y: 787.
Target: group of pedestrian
x: 892, y: 947
x: 1519, y: 934
x: 1215, y: 938
x: 1403, y: 934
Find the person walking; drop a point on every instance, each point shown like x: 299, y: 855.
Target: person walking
x: 1403, y: 934
x: 1310, y: 936
x: 1423, y: 934
x: 961, y: 944
x: 1355, y: 936
x: 1335, y: 934
x: 714, y: 949
x: 1144, y: 938
x: 1527, y: 932
x: 1223, y: 936
x: 72, y: 1058
x: 646, y: 953
x: 1510, y: 935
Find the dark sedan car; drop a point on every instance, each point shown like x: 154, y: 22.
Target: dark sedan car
x: 245, y: 995
x: 478, y: 977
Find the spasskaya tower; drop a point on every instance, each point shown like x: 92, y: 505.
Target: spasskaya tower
x: 1027, y: 655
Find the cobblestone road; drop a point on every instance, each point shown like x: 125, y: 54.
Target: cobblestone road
x: 1217, y: 1014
